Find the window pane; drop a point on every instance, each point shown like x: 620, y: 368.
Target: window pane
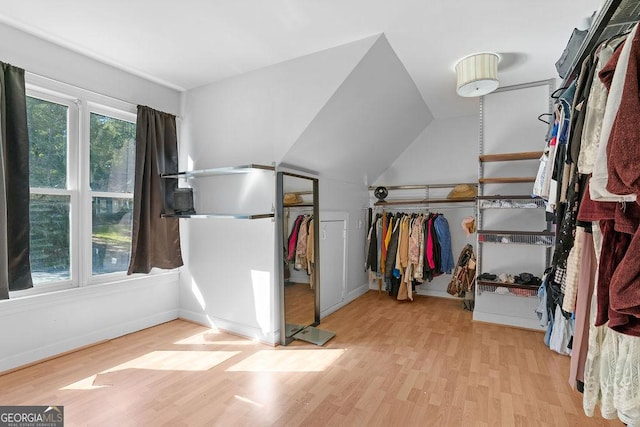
x: 49, y: 238
x: 47, y: 122
x: 111, y: 238
x: 112, y: 154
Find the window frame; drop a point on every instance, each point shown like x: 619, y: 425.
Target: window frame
x: 92, y: 107
x: 81, y: 103
x: 71, y: 190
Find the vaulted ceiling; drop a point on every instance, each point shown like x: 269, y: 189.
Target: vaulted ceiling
x: 191, y: 43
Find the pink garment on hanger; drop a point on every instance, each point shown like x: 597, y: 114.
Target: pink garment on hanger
x: 429, y: 243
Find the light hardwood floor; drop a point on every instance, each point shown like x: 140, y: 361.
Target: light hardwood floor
x: 299, y: 303
x: 391, y: 364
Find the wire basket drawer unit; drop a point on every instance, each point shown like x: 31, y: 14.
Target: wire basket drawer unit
x: 540, y: 238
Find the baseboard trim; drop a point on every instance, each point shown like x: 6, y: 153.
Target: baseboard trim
x: 39, y: 355
x: 508, y: 321
x: 230, y: 327
x: 437, y: 294
x: 352, y: 295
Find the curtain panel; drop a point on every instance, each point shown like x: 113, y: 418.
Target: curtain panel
x: 155, y: 240
x: 15, y: 267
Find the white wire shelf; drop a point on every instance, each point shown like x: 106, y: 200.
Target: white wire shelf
x: 510, y: 202
x: 536, y: 238
x: 510, y: 289
x: 231, y: 170
x: 220, y: 216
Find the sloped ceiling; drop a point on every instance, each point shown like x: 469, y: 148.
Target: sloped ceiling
x: 258, y: 116
x: 369, y: 121
x: 191, y: 43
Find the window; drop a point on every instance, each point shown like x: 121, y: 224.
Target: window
x: 111, y: 180
x: 82, y: 163
x: 50, y: 203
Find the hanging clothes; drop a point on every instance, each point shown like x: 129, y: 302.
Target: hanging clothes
x: 293, y: 239
x: 415, y: 248
x: 311, y: 266
x: 372, y: 246
x: 444, y: 238
x: 596, y: 275
x: 301, y: 246
x: 300, y: 251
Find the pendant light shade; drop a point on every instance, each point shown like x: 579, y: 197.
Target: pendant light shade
x: 477, y: 74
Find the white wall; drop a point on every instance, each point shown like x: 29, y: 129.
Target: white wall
x: 257, y: 116
x: 40, y: 326
x: 229, y: 283
x: 336, y: 196
x: 260, y: 117
x: 368, y: 122
x: 252, y: 118
x: 445, y: 152
x: 49, y: 60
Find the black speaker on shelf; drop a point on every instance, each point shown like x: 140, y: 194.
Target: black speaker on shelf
x: 183, y: 201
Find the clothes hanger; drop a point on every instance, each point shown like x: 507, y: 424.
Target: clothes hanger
x: 556, y: 93
x: 615, y: 36
x: 542, y: 115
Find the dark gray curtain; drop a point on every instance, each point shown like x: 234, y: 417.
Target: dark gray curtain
x: 155, y: 240
x: 15, y: 267
x: 4, y: 261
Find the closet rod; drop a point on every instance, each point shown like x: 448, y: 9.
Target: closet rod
x: 420, y: 187
x: 422, y: 208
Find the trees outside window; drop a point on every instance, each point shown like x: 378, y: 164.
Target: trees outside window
x: 50, y: 203
x: 82, y: 163
x: 112, y: 168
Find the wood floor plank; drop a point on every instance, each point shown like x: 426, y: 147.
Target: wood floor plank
x: 423, y: 363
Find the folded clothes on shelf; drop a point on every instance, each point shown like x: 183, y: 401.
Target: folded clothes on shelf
x: 506, y: 204
x: 520, y: 279
x: 488, y: 276
x: 505, y: 278
x: 527, y: 279
x: 501, y: 290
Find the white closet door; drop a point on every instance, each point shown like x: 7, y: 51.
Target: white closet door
x: 332, y: 265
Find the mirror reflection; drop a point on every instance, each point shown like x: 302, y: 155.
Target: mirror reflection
x: 299, y: 263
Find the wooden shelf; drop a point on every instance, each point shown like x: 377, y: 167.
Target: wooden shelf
x: 298, y: 205
x: 527, y: 155
x: 301, y: 193
x: 507, y: 180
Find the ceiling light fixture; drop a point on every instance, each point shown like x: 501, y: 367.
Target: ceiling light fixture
x: 477, y: 74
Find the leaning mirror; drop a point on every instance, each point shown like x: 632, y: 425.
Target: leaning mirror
x: 298, y: 253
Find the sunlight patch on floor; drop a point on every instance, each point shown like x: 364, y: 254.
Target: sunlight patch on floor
x: 161, y: 361
x: 212, y: 338
x: 245, y: 400
x: 84, y: 384
x: 288, y: 361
